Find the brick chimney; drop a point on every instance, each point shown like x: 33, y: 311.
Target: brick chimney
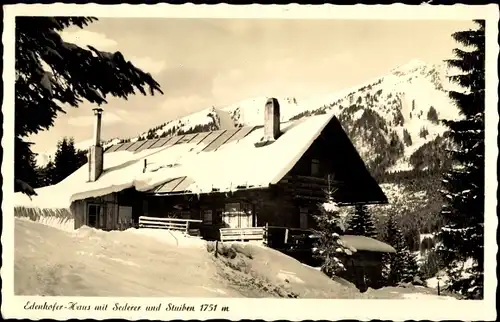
x: 271, y: 120
x: 96, y: 151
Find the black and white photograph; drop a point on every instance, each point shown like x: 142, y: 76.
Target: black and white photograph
x: 180, y: 163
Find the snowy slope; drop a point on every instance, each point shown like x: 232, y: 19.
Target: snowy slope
x: 159, y: 263
x: 149, y: 262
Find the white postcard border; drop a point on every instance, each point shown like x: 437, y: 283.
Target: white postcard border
x: 268, y: 309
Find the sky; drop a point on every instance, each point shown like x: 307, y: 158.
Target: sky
x: 201, y: 63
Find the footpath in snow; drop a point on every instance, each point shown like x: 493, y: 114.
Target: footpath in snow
x: 143, y: 262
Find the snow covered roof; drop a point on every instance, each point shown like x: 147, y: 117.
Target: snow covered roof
x: 224, y: 160
x: 363, y: 243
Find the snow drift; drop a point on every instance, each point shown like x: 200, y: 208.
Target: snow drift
x: 158, y: 263
x: 89, y: 262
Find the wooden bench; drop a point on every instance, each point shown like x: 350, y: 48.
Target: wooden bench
x: 169, y: 223
x: 242, y: 234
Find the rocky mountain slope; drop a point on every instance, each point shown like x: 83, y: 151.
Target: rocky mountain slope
x: 392, y: 120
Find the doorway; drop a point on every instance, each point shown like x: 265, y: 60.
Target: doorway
x: 237, y: 215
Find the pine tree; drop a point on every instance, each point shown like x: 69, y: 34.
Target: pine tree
x: 25, y: 164
x: 67, y: 160
x: 462, y: 237
x: 81, y: 158
x: 432, y: 115
x: 329, y: 247
x: 407, y: 138
x: 402, y: 265
x: 73, y: 74
x: 361, y: 223
x: 45, y: 174
x: 423, y: 132
x: 151, y: 135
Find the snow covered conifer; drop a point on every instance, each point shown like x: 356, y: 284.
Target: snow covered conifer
x: 67, y: 160
x: 402, y: 265
x: 45, y: 174
x: 462, y: 237
x: 361, y: 223
x: 329, y: 247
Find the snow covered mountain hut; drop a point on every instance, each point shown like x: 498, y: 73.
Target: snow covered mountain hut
x: 274, y: 174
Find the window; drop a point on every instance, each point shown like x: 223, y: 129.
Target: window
x: 314, y: 167
x: 124, y: 217
x: 207, y: 216
x: 95, y: 216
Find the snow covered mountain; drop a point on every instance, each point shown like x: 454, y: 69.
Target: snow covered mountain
x: 392, y: 120
x: 247, y: 112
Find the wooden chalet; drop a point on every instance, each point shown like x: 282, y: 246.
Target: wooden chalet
x: 274, y: 174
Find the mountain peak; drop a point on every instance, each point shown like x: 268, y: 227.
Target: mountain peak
x: 410, y: 66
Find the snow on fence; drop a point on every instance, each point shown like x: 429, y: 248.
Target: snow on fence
x: 167, y: 223
x: 242, y: 234
x: 60, y: 218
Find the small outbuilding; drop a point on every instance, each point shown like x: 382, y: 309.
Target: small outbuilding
x: 364, y: 266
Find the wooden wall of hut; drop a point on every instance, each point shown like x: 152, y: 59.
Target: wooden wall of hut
x: 78, y: 210
x: 264, y: 206
x: 109, y: 209
x: 176, y: 206
x: 272, y: 207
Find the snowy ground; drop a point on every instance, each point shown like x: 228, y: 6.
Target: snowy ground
x: 88, y: 262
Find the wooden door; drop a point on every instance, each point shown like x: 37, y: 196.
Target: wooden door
x: 237, y: 215
x: 304, y: 216
x: 110, y: 211
x: 230, y: 219
x: 245, y: 216
x: 230, y: 216
x: 102, y: 218
x: 245, y: 220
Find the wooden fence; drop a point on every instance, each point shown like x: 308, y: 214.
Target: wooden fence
x: 167, y: 223
x: 273, y: 236
x: 242, y: 234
